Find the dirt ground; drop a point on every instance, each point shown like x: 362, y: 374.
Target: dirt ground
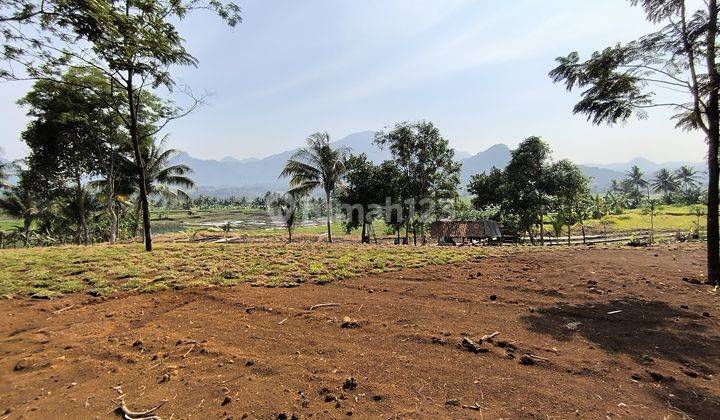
x: 613, y: 333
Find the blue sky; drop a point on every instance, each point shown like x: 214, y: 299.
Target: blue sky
x: 477, y: 69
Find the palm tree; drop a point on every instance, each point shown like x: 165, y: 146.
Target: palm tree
x: 4, y: 175
x: 161, y: 176
x: 687, y: 177
x: 20, y: 202
x: 634, y: 182
x: 317, y: 165
x: 665, y: 182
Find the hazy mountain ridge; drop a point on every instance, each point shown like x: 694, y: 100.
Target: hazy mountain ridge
x: 252, y: 177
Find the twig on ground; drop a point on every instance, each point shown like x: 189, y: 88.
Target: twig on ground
x: 281, y: 322
x: 188, y: 352
x: 324, y: 305
x: 63, y: 309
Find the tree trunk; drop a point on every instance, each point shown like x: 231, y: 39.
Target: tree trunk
x: 713, y: 118
x: 110, y: 202
x: 362, y: 240
x: 142, y: 176
x: 569, y: 229
x: 329, y: 215
x: 542, y: 225
x: 81, y: 213
x: 26, y: 223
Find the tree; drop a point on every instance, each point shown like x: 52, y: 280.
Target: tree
x: 527, y: 184
x: 428, y: 172
x: 20, y: 202
x: 367, y: 188
x: 359, y: 193
x: 486, y: 188
x: 687, y: 177
x: 318, y: 165
x: 69, y: 136
x: 570, y: 187
x: 163, y: 178
x: 619, y: 82
x: 635, y: 179
x: 133, y: 43
x: 289, y: 206
x: 665, y: 182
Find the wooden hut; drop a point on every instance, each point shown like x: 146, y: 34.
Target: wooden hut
x: 454, y: 232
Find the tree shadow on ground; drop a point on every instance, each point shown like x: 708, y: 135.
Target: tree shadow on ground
x: 642, y: 329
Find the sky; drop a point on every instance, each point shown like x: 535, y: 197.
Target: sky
x: 477, y: 69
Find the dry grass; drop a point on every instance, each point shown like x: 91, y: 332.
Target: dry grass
x: 104, y: 269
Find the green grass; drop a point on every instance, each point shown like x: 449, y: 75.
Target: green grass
x: 667, y: 218
x: 8, y: 223
x: 104, y: 269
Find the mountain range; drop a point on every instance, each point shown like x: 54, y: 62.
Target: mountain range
x: 252, y: 177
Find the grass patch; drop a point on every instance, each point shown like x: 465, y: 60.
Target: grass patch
x: 105, y: 269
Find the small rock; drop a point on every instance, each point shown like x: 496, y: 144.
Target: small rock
x: 636, y: 377
x: 454, y: 402
x: 689, y: 372
x: 692, y: 281
x: 471, y: 346
x: 493, y: 297
x: 21, y: 365
x: 706, y: 314
x: 659, y: 377
x: 377, y: 398
x: 137, y: 343
x: 227, y: 400
x: 249, y: 362
x: 648, y: 360
x: 349, y: 323
x: 350, y: 384
x: 526, y: 360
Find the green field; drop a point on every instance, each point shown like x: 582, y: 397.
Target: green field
x: 104, y: 269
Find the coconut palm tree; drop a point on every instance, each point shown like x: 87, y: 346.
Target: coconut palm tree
x: 317, y: 165
x: 163, y: 179
x: 665, y: 182
x: 634, y: 183
x: 687, y: 177
x: 19, y: 201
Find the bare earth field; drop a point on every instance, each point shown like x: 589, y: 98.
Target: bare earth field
x: 613, y: 333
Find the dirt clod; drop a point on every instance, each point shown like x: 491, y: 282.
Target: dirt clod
x: 350, y: 384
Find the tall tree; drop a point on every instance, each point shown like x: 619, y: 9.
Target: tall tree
x: 69, y: 135
x: 687, y: 177
x: 429, y: 173
x: 526, y: 183
x: 486, y: 188
x: 619, y: 82
x: 164, y: 178
x: 636, y: 183
x: 367, y: 189
x: 570, y: 187
x: 132, y: 42
x: 664, y: 182
x: 318, y: 165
